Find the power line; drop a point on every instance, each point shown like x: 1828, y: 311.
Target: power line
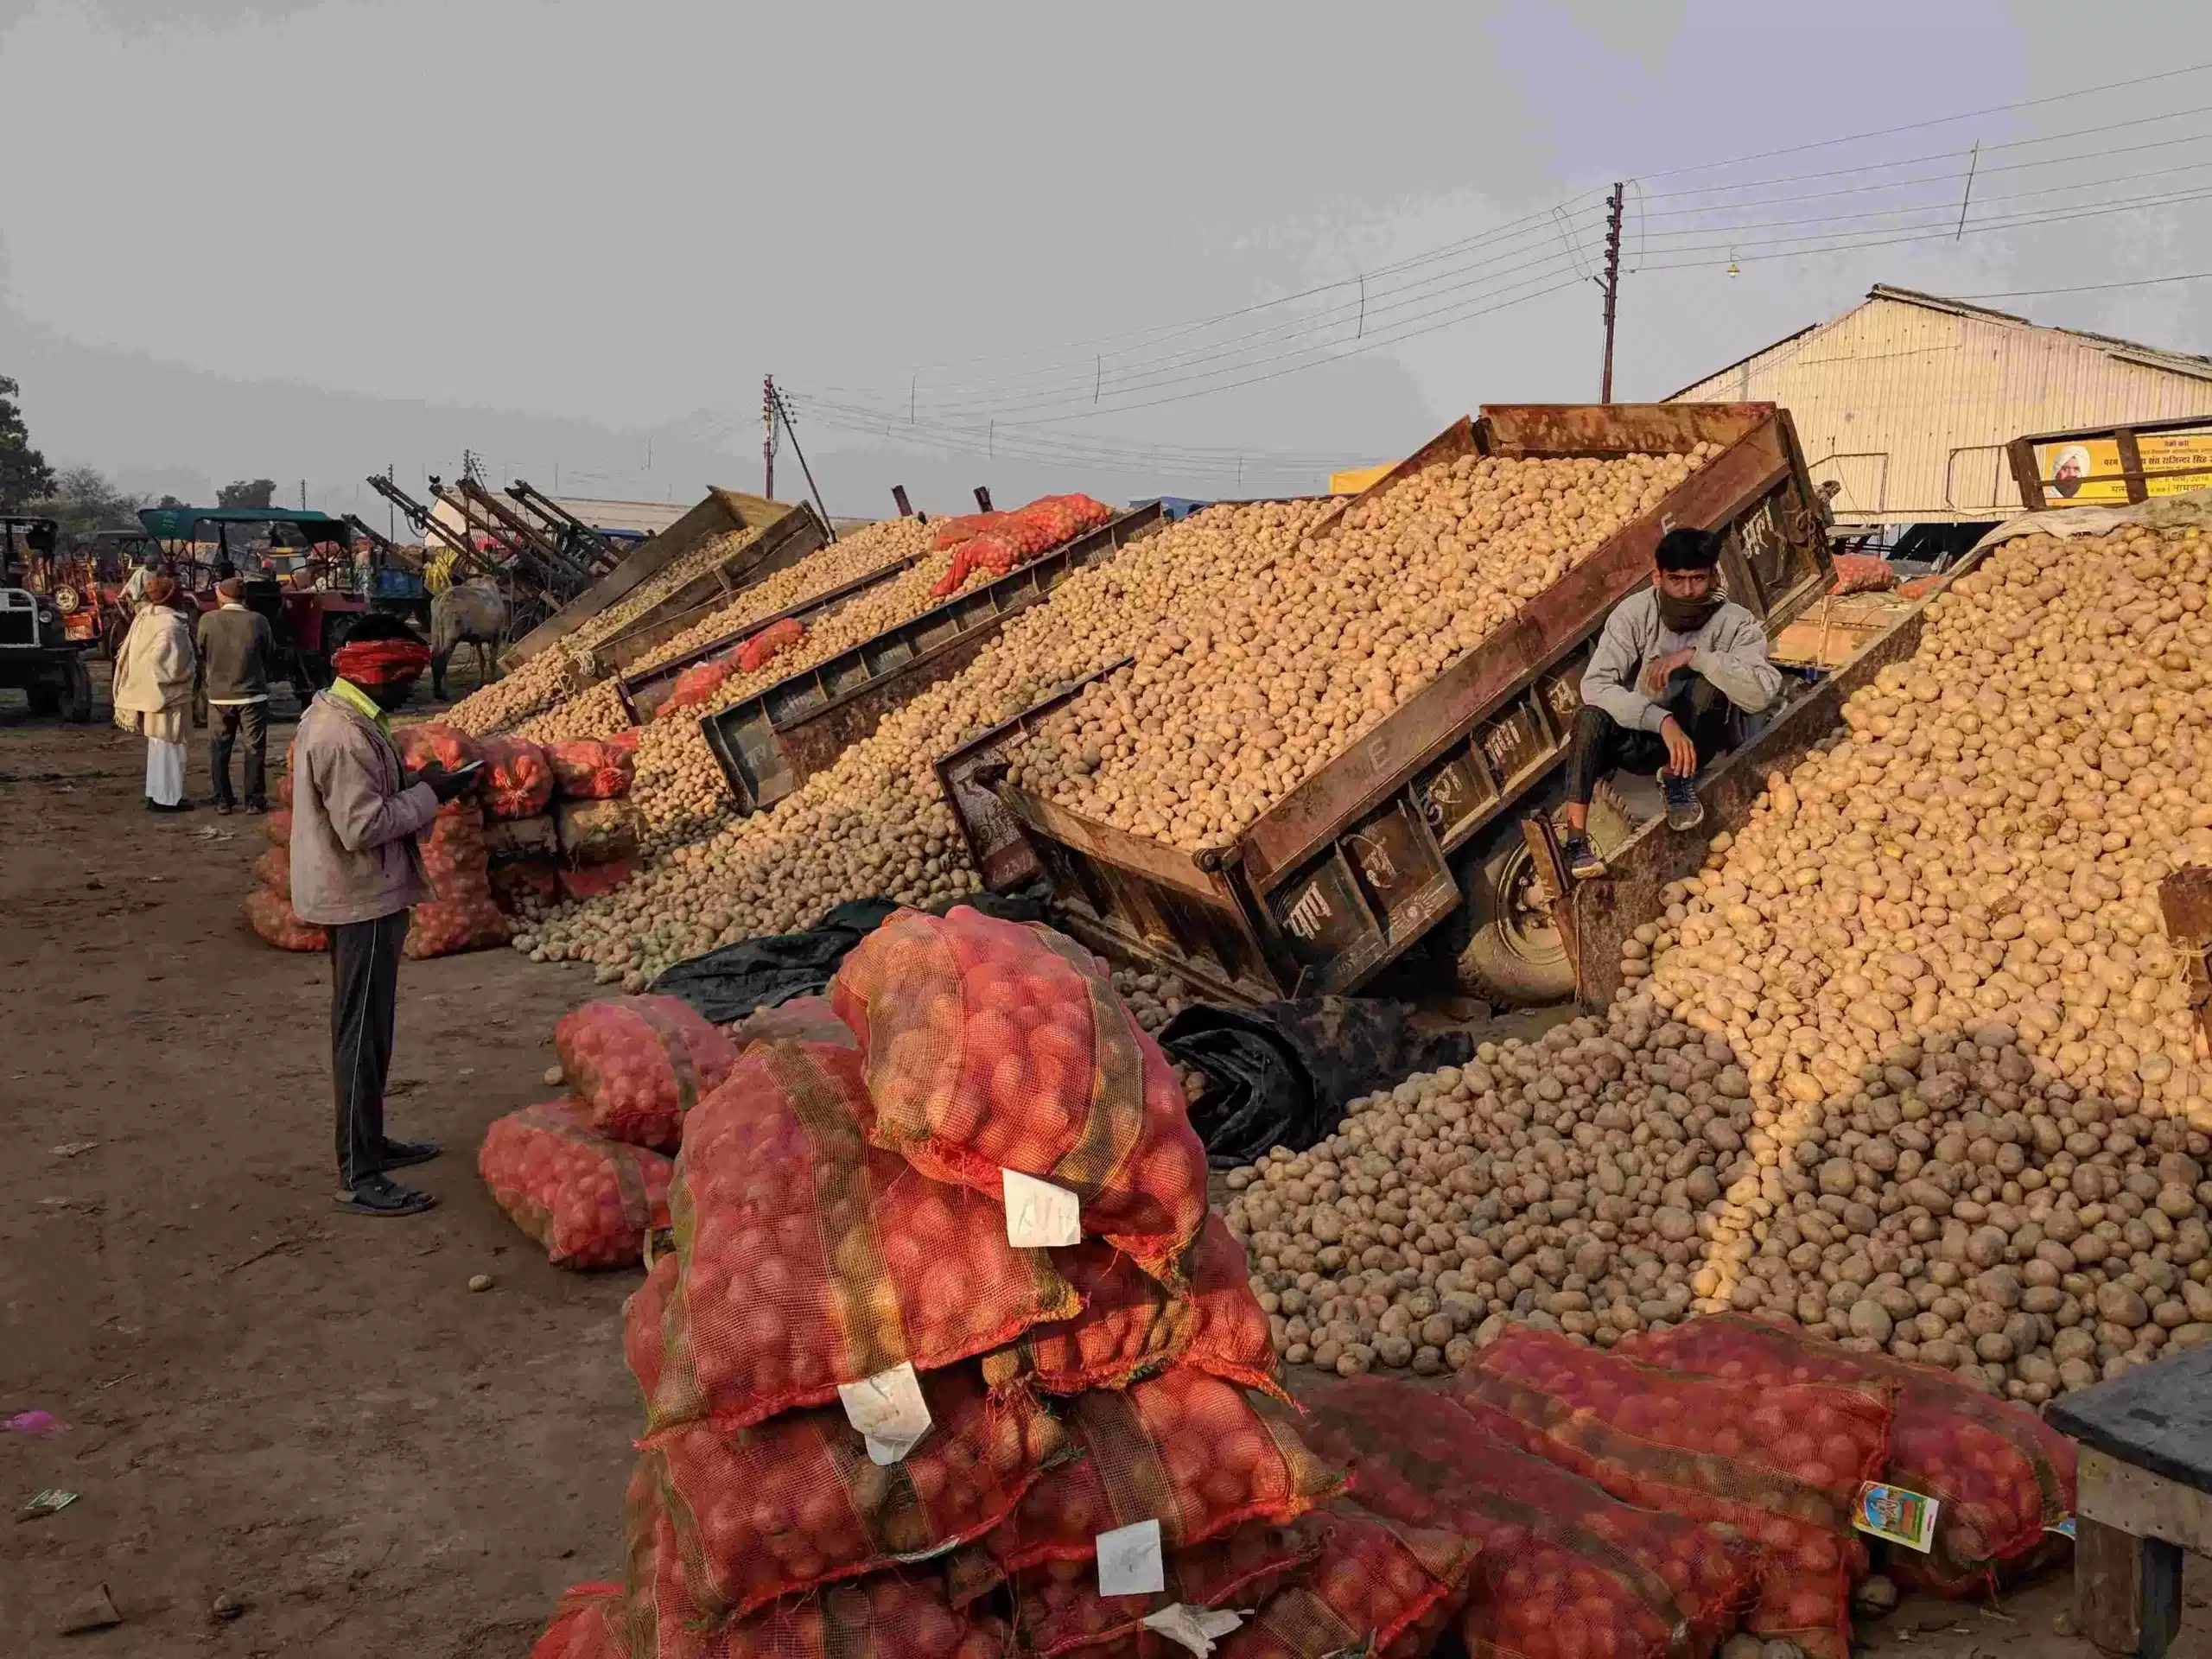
x: 2087, y: 288
x: 1936, y: 121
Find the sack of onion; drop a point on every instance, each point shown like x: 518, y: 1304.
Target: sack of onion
x: 639, y: 1063
x: 1781, y: 1466
x: 2004, y: 1476
x: 808, y: 1259
x: 1379, y: 1588
x: 585, y: 769
x: 992, y: 1046
x: 588, y: 1200
x: 797, y: 1502
x: 1057, y: 1609
x: 1567, y: 1571
x: 517, y: 777
x: 269, y: 914
x: 590, y: 1622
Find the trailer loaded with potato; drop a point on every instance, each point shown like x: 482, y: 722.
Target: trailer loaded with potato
x: 1294, y: 806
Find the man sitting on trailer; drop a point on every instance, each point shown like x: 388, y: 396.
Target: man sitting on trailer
x: 1675, y: 664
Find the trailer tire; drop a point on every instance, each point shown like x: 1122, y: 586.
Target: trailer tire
x: 1514, y: 959
x: 44, y: 698
x: 77, y: 693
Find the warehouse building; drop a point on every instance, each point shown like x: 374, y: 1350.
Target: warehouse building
x: 1904, y: 405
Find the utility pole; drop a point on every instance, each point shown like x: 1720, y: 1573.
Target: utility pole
x: 768, y: 435
x: 1612, y: 290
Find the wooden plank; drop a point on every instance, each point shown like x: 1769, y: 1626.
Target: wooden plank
x: 2135, y: 1501
x: 2154, y: 1418
x: 2126, y: 1590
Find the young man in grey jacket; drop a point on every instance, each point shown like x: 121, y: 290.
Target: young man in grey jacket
x: 357, y: 872
x: 1675, y: 664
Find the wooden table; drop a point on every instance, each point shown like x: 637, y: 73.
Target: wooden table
x: 2144, y: 1498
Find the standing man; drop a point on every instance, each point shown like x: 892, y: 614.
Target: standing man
x: 1674, y: 666
x: 357, y: 871
x: 234, y: 646
x: 152, y: 689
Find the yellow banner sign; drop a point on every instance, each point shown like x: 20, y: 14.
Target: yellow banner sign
x: 2086, y: 472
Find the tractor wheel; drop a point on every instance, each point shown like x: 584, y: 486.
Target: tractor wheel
x: 76, y: 695
x: 1514, y: 955
x: 44, y: 697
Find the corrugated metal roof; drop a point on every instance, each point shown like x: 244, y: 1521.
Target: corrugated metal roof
x: 1907, y: 401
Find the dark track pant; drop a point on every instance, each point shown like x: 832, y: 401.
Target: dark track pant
x: 228, y: 721
x: 1602, y: 744
x: 364, y: 1012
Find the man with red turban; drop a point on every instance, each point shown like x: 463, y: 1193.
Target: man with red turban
x: 357, y: 872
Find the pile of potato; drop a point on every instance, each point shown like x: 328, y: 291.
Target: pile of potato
x: 1218, y: 721
x: 875, y: 821
x: 1911, y: 1060
x: 548, y: 677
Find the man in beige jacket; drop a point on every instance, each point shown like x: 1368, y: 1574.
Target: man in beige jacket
x: 356, y: 871
x: 154, y: 670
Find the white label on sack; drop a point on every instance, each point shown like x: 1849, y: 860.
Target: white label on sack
x: 1129, y: 1562
x: 888, y: 1410
x: 1039, y: 1215
x: 1195, y: 1628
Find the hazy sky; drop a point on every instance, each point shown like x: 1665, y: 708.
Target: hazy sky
x: 308, y: 238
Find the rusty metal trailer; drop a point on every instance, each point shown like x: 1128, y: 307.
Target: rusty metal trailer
x: 643, y: 691
x: 787, y: 534
x: 1418, y: 824
x: 770, y: 744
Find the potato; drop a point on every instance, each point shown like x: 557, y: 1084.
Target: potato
x: 1911, y: 1060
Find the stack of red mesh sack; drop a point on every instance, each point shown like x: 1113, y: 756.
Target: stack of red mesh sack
x: 464, y: 916
x: 881, y: 1410
x: 269, y: 903
x: 994, y: 543
x: 588, y: 844
x: 587, y: 1176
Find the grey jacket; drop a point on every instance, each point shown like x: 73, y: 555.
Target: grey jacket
x: 234, y: 644
x: 1731, y: 653
x: 354, y: 820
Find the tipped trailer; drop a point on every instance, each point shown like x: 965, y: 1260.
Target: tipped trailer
x: 770, y: 744
x: 1413, y: 835
x: 786, y: 535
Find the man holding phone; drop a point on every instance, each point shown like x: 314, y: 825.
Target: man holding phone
x: 357, y: 872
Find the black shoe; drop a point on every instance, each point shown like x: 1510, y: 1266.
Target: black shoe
x: 405, y: 1155
x: 180, y: 806
x: 223, y: 809
x: 379, y: 1195
x: 1582, y: 860
x: 1684, y: 809
x: 257, y: 809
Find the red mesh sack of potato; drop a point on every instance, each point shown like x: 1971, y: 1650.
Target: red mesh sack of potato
x: 696, y: 684
x: 284, y: 789
x: 1196, y: 1453
x: 271, y: 915
x: 952, y: 532
x: 529, y: 880
x: 802, y: 1019
x: 517, y: 777
x: 809, y: 1260
x: 453, y: 851
x: 763, y: 647
x: 1057, y: 1609
x: 588, y: 1200
x: 506, y: 839
x: 639, y: 1063
x: 277, y: 826
x: 434, y: 743
x: 598, y: 832
x: 1921, y: 587
x: 1567, y: 1571
x: 1132, y: 1326
x: 1379, y: 1588
x: 590, y: 1622
x: 1861, y: 573
x: 593, y: 880
x: 2004, y: 1476
x: 587, y: 769
x: 1779, y: 1464
x: 797, y: 1502
x: 886, y: 1616
x: 992, y: 1045
x: 451, y: 927
x: 273, y: 869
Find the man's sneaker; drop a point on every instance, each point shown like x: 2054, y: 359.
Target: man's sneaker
x: 1684, y: 809
x: 1582, y: 860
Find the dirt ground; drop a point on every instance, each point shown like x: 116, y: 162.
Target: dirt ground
x: 275, y: 1405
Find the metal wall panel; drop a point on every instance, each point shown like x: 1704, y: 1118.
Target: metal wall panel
x: 1907, y: 406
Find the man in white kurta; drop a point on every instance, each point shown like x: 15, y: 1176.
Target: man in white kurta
x: 152, y: 691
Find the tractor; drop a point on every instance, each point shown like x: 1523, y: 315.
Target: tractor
x: 38, y: 655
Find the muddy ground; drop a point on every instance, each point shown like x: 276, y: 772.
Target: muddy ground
x: 273, y: 1405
